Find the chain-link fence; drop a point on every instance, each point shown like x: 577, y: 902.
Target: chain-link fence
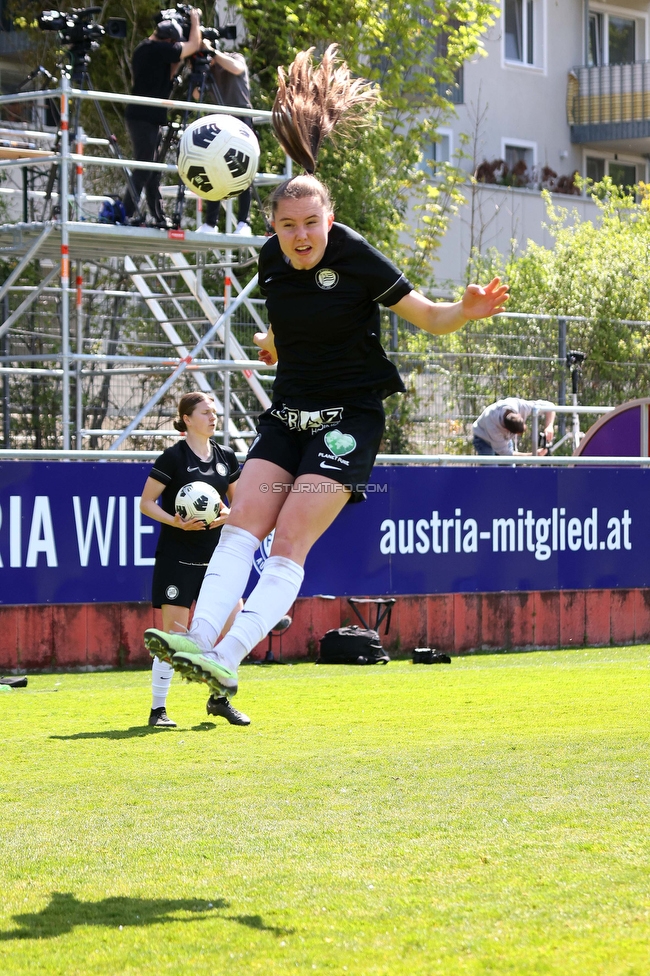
x: 450, y: 379
x: 115, y: 321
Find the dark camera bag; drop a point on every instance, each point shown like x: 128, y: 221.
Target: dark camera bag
x: 352, y: 645
x: 428, y: 655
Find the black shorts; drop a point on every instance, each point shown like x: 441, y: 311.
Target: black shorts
x: 340, y: 443
x: 175, y: 582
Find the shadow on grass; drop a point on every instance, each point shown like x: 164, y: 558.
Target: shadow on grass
x: 65, y: 912
x: 135, y: 732
x: 256, y: 922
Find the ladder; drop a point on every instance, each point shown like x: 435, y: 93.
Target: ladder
x: 175, y: 303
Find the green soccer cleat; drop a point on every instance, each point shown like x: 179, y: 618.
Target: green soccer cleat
x: 186, y: 657
x: 157, y: 643
x: 220, y: 679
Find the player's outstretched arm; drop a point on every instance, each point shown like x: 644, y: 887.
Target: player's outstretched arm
x: 265, y: 341
x: 440, y: 318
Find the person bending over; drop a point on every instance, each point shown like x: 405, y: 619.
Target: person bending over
x: 494, y: 430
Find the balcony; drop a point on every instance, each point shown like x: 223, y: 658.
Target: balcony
x: 609, y: 103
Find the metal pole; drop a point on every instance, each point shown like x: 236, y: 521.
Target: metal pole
x: 227, y: 298
x: 79, y: 345
x: 561, y: 387
x: 6, y: 389
x: 535, y: 430
x: 65, y: 260
x: 643, y: 450
x: 79, y: 172
x: 394, y: 334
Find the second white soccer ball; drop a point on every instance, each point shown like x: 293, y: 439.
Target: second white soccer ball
x: 198, y: 500
x: 218, y: 157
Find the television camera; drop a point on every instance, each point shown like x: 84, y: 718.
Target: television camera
x: 181, y: 15
x: 77, y: 27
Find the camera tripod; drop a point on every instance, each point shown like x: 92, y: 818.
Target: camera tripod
x: 78, y: 70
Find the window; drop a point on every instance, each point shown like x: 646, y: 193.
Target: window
x: 614, y: 39
x: 519, y: 154
x: 439, y: 151
x: 625, y: 173
x: 520, y: 31
x: 595, y: 169
x: 453, y: 91
x: 595, y: 40
x: 622, y: 43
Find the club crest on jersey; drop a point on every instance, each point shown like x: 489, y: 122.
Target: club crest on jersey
x: 327, y: 279
x: 222, y: 469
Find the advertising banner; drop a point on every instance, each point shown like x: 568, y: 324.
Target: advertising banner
x: 72, y: 532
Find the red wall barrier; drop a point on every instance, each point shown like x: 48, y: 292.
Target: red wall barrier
x: 69, y: 636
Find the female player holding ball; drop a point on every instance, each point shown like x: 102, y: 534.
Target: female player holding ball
x: 186, y: 545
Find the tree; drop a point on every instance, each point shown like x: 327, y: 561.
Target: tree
x: 595, y: 277
x: 412, y: 52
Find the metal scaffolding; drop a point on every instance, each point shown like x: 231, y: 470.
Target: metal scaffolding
x: 162, y: 274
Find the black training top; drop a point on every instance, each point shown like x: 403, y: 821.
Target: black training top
x: 152, y: 78
x: 178, y: 466
x: 326, y: 321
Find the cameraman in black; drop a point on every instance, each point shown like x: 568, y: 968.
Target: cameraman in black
x: 230, y: 73
x: 155, y: 63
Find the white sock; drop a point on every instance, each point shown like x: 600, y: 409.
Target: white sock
x: 276, y: 590
x: 224, y: 582
x: 161, y: 678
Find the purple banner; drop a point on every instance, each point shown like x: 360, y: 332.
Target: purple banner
x: 71, y: 532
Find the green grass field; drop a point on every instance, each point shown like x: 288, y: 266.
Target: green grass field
x: 488, y: 816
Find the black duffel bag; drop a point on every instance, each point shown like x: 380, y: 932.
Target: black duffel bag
x: 352, y: 645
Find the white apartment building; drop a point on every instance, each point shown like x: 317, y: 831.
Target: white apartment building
x: 565, y: 86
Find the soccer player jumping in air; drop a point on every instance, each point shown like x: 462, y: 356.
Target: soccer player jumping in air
x: 323, y: 284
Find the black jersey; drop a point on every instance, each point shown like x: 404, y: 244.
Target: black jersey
x: 152, y: 61
x: 178, y: 466
x: 326, y: 321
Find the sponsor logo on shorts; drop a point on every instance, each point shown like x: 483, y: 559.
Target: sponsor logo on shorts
x: 340, y: 443
x: 332, y: 457
x: 222, y: 469
x: 313, y: 420
x: 327, y: 279
x: 172, y: 592
x: 256, y: 441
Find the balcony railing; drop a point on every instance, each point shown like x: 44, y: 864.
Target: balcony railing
x: 609, y: 102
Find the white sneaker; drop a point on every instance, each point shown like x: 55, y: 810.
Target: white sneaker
x: 243, y: 229
x: 207, y: 229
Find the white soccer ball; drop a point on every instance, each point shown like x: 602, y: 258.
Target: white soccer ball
x: 198, y: 500
x: 218, y: 157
